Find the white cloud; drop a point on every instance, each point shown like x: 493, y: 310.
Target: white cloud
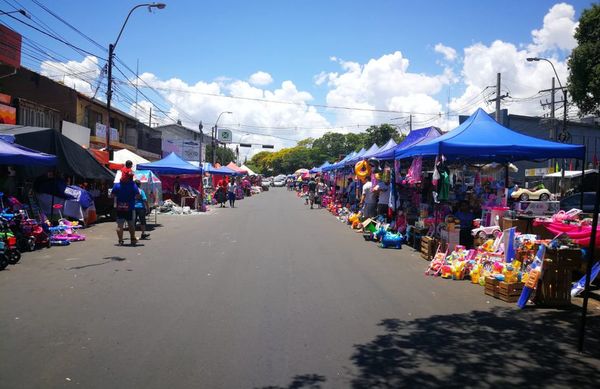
x: 80, y: 76
x: 448, y: 52
x: 557, y: 31
x: 261, y: 78
x: 388, y: 82
x: 384, y: 83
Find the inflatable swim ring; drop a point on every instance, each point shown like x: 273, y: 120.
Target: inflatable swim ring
x: 362, y: 169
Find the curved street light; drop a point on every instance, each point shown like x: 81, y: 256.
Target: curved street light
x: 111, y: 51
x: 214, y: 135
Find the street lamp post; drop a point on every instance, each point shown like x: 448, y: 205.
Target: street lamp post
x: 111, y: 51
x: 214, y: 135
x: 564, y: 135
x: 19, y: 11
x: 564, y: 122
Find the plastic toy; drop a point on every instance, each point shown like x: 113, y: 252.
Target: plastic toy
x: 523, y: 194
x: 388, y: 239
x: 362, y: 169
x: 484, y: 232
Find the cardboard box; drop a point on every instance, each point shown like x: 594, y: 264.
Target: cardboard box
x: 538, y: 208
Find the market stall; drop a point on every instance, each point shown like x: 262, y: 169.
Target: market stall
x: 181, y: 181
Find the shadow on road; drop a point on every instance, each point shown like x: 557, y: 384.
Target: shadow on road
x: 109, y: 259
x: 530, y: 348
x: 308, y: 381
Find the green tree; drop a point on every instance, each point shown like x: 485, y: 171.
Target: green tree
x: 355, y: 142
x: 330, y: 146
x: 261, y: 162
x: 222, y: 155
x: 381, y: 135
x: 584, y: 64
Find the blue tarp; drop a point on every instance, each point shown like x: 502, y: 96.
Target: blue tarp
x: 171, y: 164
x: 481, y: 138
x: 14, y: 154
x: 413, y: 138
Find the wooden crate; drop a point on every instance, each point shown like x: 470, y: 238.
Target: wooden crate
x: 554, y: 289
x: 428, y: 247
x: 508, y: 292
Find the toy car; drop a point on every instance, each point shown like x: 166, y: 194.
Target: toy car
x: 524, y: 194
x: 484, y: 232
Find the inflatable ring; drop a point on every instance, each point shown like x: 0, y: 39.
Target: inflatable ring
x: 362, y: 169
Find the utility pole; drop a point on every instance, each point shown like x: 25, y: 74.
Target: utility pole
x: 552, y: 104
x: 410, y: 122
x: 150, y: 118
x: 498, y: 97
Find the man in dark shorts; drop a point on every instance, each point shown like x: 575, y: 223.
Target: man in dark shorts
x: 125, y: 194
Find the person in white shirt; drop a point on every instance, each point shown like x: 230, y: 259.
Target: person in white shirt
x: 383, y: 189
x: 368, y: 200
x: 231, y: 192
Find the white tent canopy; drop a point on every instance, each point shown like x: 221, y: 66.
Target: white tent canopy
x: 570, y: 173
x: 250, y: 172
x: 124, y: 155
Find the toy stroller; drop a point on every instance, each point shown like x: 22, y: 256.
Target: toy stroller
x: 439, y: 260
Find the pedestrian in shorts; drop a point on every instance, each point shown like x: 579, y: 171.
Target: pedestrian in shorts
x: 141, y: 209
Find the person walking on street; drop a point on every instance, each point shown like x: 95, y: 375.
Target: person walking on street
x: 125, y: 194
x: 141, y: 209
x: 312, y: 189
x: 321, y: 188
x: 383, y: 189
x: 231, y: 193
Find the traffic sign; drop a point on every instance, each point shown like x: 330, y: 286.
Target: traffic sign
x: 225, y: 135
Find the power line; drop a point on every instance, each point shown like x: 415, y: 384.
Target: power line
x: 54, y: 37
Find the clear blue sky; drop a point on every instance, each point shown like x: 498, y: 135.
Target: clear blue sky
x: 202, y: 40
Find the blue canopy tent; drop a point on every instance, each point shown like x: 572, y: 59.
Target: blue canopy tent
x: 320, y: 169
x: 375, y: 149
x: 340, y: 164
x: 171, y: 164
x: 413, y: 138
x: 14, y: 154
x: 481, y: 138
x: 207, y: 167
x: 357, y: 157
x: 385, y: 148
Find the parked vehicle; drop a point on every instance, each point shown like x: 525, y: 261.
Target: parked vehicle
x: 574, y: 201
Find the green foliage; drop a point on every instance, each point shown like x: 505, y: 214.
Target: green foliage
x: 380, y: 135
x: 584, y: 63
x: 222, y: 155
x: 310, y: 152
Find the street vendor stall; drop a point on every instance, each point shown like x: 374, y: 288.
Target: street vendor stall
x: 180, y: 179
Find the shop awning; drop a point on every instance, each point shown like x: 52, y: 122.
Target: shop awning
x: 357, y: 157
x: 340, y: 164
x: 481, y: 138
x: 171, y: 164
x: 71, y: 158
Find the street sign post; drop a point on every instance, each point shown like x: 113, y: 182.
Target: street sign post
x: 225, y: 135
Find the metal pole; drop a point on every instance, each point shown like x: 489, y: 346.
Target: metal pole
x: 498, y: 80
x: 111, y: 49
x: 214, y: 130
x: 552, y: 162
x: 588, y: 272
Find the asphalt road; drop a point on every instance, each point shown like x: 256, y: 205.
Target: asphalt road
x: 269, y: 294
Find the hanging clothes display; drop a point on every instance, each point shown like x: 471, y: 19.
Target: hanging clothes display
x: 414, y: 172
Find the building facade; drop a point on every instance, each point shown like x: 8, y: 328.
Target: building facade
x: 187, y: 143
x: 42, y: 102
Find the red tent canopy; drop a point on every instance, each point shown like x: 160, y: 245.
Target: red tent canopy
x: 235, y: 167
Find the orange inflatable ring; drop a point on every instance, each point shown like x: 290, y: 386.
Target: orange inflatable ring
x: 362, y: 169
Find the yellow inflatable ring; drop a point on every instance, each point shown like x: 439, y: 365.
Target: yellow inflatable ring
x: 362, y: 169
